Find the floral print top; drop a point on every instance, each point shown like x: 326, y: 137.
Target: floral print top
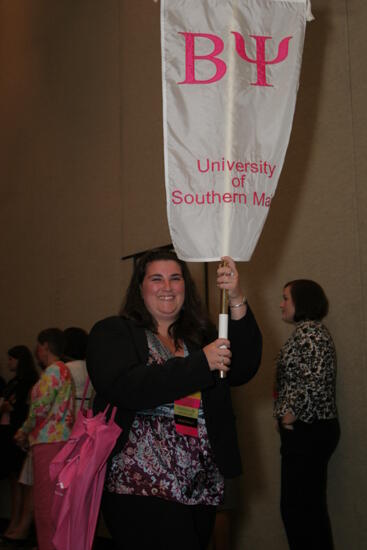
x: 158, y: 461
x: 51, y: 412
x: 306, y: 374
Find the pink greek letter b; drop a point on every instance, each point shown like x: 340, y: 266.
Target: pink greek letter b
x: 191, y: 57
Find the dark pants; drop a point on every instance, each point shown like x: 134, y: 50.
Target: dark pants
x: 138, y: 522
x: 306, y: 451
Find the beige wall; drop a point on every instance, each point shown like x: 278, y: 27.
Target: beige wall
x: 81, y: 184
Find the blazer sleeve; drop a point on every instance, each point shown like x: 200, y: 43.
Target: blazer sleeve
x: 119, y: 373
x: 246, y: 347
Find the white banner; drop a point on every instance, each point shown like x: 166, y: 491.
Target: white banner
x: 230, y: 77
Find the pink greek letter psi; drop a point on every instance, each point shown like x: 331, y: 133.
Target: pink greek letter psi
x: 260, y: 60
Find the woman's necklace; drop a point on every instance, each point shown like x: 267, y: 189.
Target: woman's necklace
x: 169, y: 343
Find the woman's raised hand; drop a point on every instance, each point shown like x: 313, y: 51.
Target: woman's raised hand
x: 228, y: 279
x: 218, y: 357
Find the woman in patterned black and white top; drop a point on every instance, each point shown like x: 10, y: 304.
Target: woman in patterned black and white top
x: 306, y: 411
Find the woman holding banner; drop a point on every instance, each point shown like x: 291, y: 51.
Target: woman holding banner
x: 159, y: 363
x: 307, y: 416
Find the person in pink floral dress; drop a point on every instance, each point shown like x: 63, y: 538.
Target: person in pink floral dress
x: 48, y: 426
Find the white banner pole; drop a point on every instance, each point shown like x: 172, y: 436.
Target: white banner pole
x: 223, y: 318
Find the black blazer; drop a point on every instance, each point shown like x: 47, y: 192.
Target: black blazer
x: 116, y: 361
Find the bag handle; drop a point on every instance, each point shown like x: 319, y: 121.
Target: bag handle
x: 114, y: 409
x: 113, y: 414
x: 86, y: 386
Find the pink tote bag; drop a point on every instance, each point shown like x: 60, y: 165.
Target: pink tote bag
x: 79, y: 470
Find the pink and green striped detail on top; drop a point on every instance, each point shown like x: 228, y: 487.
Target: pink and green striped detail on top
x: 186, y: 413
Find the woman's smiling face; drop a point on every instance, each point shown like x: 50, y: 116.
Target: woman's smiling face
x: 163, y: 290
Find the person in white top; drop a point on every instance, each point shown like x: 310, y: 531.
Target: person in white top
x: 75, y: 350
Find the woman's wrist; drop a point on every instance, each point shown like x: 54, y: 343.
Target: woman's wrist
x: 287, y: 425
x: 235, y: 303
x: 238, y: 308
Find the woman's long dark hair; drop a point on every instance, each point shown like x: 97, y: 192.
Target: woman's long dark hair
x: 26, y: 368
x: 193, y: 323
